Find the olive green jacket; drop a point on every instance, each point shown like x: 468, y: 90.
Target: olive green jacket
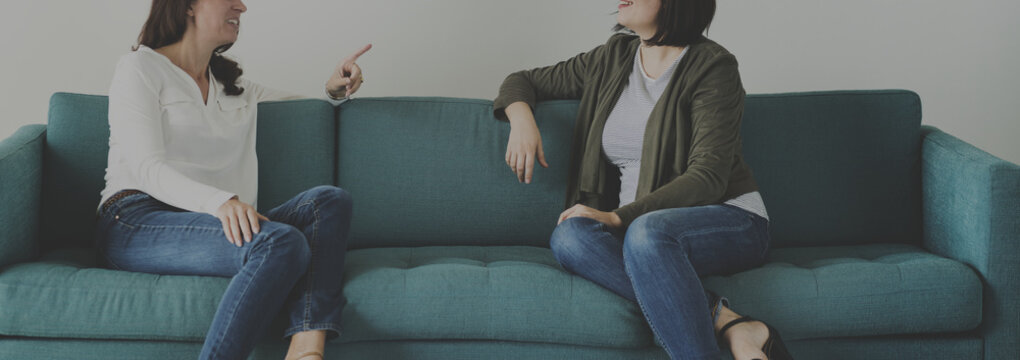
x: 691, y: 154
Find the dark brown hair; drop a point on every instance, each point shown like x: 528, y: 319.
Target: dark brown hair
x: 167, y: 22
x: 680, y: 22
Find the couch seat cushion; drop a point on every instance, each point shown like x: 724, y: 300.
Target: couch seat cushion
x: 515, y: 293
x: 864, y: 290
x: 64, y: 295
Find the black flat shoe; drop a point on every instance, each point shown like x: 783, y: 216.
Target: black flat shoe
x: 773, y: 348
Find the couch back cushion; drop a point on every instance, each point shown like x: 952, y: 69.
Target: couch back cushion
x: 295, y: 146
x: 432, y: 171
x: 834, y: 168
x: 838, y: 167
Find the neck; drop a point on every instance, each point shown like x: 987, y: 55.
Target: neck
x: 189, y: 55
x: 656, y: 53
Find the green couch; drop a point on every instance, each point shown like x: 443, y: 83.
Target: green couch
x: 890, y: 240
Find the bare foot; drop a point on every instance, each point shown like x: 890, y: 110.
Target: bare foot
x: 746, y: 339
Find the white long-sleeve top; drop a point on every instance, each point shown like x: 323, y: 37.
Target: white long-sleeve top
x: 168, y: 143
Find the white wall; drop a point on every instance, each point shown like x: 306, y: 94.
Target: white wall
x: 961, y: 57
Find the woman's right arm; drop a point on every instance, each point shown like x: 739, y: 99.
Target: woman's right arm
x: 135, y: 118
x: 518, y: 95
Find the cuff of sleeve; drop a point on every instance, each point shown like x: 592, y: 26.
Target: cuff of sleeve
x: 337, y: 101
x: 515, y: 88
x: 627, y: 215
x: 500, y: 104
x: 212, y: 205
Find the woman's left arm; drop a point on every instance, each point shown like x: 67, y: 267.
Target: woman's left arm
x: 716, y: 111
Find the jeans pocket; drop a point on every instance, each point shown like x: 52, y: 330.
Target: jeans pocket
x: 126, y: 205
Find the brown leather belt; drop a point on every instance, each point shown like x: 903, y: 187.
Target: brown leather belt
x: 119, y: 195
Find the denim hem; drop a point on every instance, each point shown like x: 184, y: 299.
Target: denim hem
x: 332, y: 330
x: 717, y: 308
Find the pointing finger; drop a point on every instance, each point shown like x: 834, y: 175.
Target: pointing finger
x: 358, y: 54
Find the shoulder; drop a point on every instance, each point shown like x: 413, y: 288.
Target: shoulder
x: 711, y: 67
x: 142, y: 64
x: 616, y: 52
x: 142, y: 59
x: 707, y: 52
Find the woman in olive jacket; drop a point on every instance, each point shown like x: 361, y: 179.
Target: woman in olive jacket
x: 658, y: 192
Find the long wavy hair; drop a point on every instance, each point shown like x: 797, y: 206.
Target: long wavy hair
x: 167, y: 22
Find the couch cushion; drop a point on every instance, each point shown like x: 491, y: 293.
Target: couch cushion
x: 65, y: 296
x: 837, y: 167
x: 480, y: 293
x: 295, y: 145
x: 431, y: 171
x: 508, y: 293
x: 864, y: 290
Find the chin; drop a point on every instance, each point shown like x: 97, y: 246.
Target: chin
x: 623, y: 21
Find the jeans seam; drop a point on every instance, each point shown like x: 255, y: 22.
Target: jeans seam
x: 161, y: 227
x: 311, y: 263
x: 184, y: 227
x: 215, y: 347
x: 298, y: 206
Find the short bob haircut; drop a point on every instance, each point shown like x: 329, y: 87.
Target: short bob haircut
x: 679, y: 22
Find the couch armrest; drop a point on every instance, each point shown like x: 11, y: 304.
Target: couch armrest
x: 971, y: 207
x: 21, y: 160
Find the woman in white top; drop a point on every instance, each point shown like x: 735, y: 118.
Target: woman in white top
x: 181, y: 184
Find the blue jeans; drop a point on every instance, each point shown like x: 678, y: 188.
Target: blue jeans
x: 295, y: 263
x: 657, y: 262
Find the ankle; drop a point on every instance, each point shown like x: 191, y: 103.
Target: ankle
x: 307, y: 355
x: 725, y: 317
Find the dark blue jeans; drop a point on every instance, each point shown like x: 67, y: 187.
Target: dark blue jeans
x: 658, y: 261
x: 295, y: 263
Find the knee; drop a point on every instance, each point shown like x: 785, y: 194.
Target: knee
x: 644, y: 235
x: 283, y: 243
x: 331, y: 197
x: 568, y: 240
x: 330, y: 193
